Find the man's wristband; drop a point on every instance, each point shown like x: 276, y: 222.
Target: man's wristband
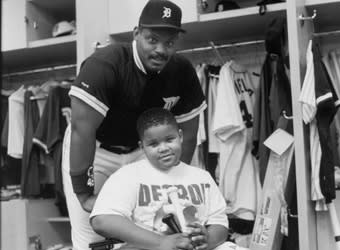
x: 83, y: 182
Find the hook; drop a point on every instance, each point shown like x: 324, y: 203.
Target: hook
x: 302, y: 18
x: 292, y: 215
x: 95, y: 45
x: 284, y: 114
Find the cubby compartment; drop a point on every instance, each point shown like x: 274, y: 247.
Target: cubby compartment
x: 43, y: 15
x: 211, y: 6
x: 28, y: 41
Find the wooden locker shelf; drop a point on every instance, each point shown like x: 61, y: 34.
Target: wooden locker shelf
x: 42, y: 53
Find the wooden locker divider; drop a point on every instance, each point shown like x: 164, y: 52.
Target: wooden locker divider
x: 299, y: 35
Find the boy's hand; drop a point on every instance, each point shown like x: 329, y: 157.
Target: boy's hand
x: 198, y: 235
x: 176, y: 242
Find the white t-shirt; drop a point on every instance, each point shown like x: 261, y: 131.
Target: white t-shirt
x: 138, y: 191
x: 16, y: 124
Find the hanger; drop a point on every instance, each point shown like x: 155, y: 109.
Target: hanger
x: 217, y: 53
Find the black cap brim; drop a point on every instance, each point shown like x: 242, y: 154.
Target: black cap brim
x: 162, y: 26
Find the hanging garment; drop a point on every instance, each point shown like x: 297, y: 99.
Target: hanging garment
x: 213, y: 78
x: 233, y: 125
x: 16, y: 123
x: 274, y: 97
x: 198, y: 156
x: 274, y: 94
x: 50, y: 132
x: 319, y: 106
x: 327, y: 104
x: 309, y: 108
x: 210, y: 147
x: 332, y: 64
x: 30, y: 176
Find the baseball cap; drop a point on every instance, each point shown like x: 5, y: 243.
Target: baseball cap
x: 161, y: 14
x: 63, y: 28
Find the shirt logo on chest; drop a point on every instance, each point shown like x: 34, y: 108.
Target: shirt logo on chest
x: 170, y: 102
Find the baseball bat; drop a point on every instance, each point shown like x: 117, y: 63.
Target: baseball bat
x: 169, y: 219
x: 173, y: 195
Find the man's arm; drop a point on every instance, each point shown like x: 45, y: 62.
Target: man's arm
x: 85, y: 122
x: 119, y: 227
x: 189, y: 129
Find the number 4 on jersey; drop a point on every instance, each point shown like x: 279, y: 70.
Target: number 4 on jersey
x: 246, y: 116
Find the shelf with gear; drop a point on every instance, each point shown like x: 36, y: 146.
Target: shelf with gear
x: 40, y: 34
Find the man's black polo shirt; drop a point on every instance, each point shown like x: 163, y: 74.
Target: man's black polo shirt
x: 112, y: 82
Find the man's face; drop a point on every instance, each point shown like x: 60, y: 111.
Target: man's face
x: 155, y: 47
x: 162, y: 145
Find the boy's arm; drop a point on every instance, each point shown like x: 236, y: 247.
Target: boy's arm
x: 217, y: 234
x: 207, y: 238
x: 119, y: 227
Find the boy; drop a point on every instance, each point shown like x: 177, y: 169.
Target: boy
x: 135, y: 198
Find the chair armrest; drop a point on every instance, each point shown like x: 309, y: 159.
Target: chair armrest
x: 104, y: 244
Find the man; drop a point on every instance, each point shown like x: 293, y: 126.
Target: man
x: 114, y: 86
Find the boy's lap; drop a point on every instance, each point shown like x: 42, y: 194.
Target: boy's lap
x: 229, y: 246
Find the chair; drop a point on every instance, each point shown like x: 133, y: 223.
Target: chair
x: 106, y: 244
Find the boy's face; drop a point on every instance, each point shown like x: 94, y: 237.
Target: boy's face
x: 162, y: 145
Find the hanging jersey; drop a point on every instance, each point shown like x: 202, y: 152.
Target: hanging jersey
x: 233, y: 122
x: 319, y: 104
x: 309, y: 107
x: 327, y: 103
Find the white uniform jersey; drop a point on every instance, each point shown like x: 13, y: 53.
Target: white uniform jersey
x: 233, y: 123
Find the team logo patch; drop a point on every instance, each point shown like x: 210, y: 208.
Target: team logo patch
x: 166, y: 12
x: 170, y: 102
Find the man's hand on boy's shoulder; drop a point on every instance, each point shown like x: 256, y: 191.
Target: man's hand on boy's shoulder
x: 176, y: 241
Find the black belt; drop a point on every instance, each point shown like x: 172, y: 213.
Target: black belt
x: 117, y: 149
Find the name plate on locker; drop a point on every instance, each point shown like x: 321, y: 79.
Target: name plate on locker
x: 279, y: 141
